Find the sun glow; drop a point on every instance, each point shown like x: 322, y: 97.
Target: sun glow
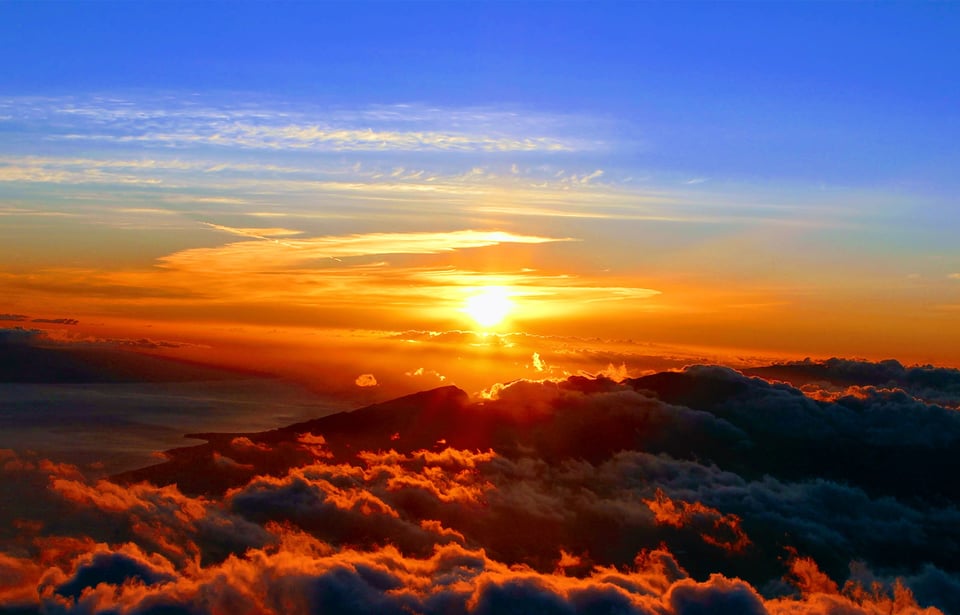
x: 489, y: 306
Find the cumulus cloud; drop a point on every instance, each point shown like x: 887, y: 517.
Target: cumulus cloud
x: 430, y: 373
x: 366, y: 380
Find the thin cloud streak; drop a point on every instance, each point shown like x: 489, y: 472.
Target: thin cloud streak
x: 252, y: 256
x: 399, y: 128
x: 294, y: 137
x: 489, y: 190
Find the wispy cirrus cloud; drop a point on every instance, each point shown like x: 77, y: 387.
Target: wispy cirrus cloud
x: 255, y: 233
x: 401, y: 128
x: 516, y: 161
x: 321, y: 137
x: 32, y: 171
x: 491, y: 191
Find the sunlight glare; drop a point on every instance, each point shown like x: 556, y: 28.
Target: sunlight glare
x: 489, y: 306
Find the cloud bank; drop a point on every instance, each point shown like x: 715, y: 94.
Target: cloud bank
x: 696, y: 491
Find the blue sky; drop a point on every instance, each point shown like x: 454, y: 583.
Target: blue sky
x: 837, y: 92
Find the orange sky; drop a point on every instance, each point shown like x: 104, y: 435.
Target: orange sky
x: 199, y: 240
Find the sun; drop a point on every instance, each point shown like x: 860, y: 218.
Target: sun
x: 488, y: 306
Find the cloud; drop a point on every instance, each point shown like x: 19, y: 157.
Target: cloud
x: 57, y: 321
x: 717, y: 596
x: 303, y: 575
x: 143, y: 342
x: 241, y: 256
x: 304, y: 279
x: 366, y: 380
x: 181, y: 153
x: 426, y: 372
x: 14, y: 317
x: 708, y: 506
x: 934, y: 586
x: 115, y: 568
x: 586, y: 178
x: 403, y: 128
x: 715, y: 528
x: 19, y: 335
x: 19, y: 578
x: 618, y: 373
x: 835, y: 378
x: 267, y: 234
x: 325, y: 138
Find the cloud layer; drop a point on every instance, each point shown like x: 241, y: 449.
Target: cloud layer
x: 696, y: 491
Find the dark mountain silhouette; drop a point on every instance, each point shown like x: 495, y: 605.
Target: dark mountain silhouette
x: 691, y: 390
x: 423, y: 418
x: 888, y: 445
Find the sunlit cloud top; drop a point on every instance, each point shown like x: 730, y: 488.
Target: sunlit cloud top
x: 275, y: 253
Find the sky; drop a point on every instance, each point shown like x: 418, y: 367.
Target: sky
x: 479, y: 308
x: 728, y: 180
